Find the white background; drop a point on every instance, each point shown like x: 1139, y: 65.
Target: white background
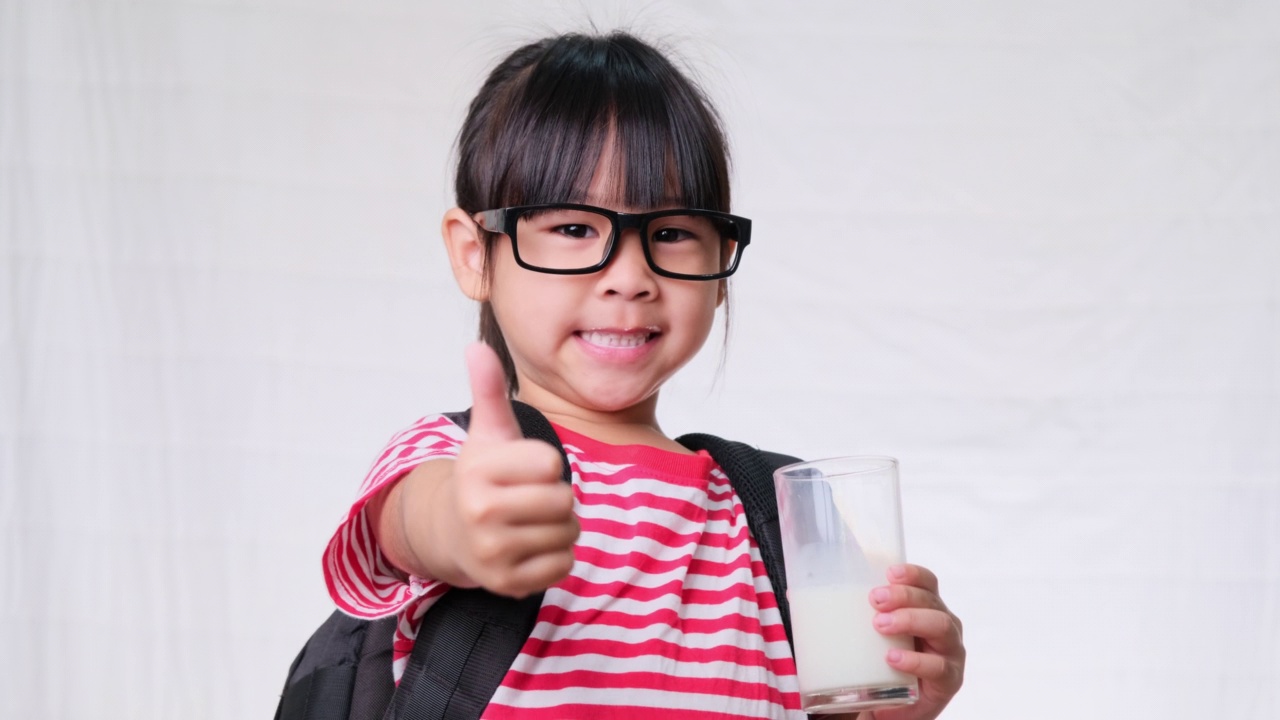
x: 1032, y: 249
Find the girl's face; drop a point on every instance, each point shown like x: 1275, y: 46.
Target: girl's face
x: 603, y: 343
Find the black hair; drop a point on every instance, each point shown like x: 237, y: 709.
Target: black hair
x: 537, y: 128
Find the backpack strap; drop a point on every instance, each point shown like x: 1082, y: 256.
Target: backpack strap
x: 468, y: 640
x: 750, y: 472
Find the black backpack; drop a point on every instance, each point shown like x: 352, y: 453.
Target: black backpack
x: 470, y: 638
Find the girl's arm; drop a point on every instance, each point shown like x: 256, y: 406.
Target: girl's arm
x: 411, y: 546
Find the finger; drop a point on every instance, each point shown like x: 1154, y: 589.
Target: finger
x: 534, y: 574
x: 528, y: 504
x: 499, y: 551
x: 892, y: 597
x: 492, y: 418
x: 926, y: 666
x: 935, y: 627
x: 548, y: 538
x: 521, y: 461
x: 915, y: 575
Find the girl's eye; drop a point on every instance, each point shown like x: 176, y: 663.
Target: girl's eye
x: 581, y: 232
x: 671, y: 235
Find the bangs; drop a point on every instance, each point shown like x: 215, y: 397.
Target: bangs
x: 584, y: 95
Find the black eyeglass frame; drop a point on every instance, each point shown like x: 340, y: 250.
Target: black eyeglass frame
x: 504, y: 220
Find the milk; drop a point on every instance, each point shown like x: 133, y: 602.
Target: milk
x: 835, y: 642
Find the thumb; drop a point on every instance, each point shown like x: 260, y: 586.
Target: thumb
x: 492, y: 418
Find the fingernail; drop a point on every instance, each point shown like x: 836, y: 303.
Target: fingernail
x: 883, y: 620
x: 880, y: 595
x: 898, y: 572
x: 895, y: 656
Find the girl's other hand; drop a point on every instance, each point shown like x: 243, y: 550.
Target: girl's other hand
x: 910, y: 605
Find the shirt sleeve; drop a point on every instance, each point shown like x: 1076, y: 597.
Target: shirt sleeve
x: 360, y: 579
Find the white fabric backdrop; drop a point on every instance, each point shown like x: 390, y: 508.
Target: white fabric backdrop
x: 1033, y: 251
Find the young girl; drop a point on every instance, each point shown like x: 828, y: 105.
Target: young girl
x: 593, y: 227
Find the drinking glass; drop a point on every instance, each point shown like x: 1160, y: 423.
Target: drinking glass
x: 841, y: 523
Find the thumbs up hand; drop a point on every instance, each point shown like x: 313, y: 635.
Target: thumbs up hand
x: 506, y: 514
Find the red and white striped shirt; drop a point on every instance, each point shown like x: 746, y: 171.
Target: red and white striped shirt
x: 667, y: 608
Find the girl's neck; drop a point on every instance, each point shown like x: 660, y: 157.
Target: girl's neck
x: 636, y: 425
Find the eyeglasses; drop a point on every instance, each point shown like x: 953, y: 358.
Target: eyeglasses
x: 571, y: 239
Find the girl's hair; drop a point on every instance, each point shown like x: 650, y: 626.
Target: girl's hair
x: 536, y: 130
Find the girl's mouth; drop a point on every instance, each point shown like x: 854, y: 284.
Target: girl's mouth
x: 630, y: 338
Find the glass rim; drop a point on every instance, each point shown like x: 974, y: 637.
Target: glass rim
x: 504, y: 221
x: 862, y: 465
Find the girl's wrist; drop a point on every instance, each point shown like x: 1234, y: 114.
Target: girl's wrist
x: 428, y: 526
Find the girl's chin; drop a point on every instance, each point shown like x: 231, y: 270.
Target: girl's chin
x: 609, y: 397
x: 601, y: 394
x: 613, y: 402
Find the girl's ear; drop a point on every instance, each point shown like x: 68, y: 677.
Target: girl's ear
x: 722, y: 291
x: 466, y: 253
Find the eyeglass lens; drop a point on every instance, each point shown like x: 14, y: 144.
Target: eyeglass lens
x: 574, y: 239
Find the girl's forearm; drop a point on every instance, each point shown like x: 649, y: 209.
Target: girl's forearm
x: 408, y: 522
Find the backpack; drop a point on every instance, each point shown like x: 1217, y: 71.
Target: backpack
x: 470, y: 637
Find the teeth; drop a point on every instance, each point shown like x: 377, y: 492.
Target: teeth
x: 604, y: 339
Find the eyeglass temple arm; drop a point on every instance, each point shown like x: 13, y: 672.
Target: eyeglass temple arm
x: 493, y: 220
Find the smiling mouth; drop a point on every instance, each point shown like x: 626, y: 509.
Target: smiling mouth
x: 618, y: 338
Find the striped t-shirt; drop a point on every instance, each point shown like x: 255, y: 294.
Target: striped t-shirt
x: 668, y: 607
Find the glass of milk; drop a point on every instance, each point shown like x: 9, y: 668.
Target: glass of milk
x: 841, y: 522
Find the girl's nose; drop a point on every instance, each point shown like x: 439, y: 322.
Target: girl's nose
x: 628, y: 273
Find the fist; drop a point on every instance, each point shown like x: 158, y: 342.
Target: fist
x: 513, y: 519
